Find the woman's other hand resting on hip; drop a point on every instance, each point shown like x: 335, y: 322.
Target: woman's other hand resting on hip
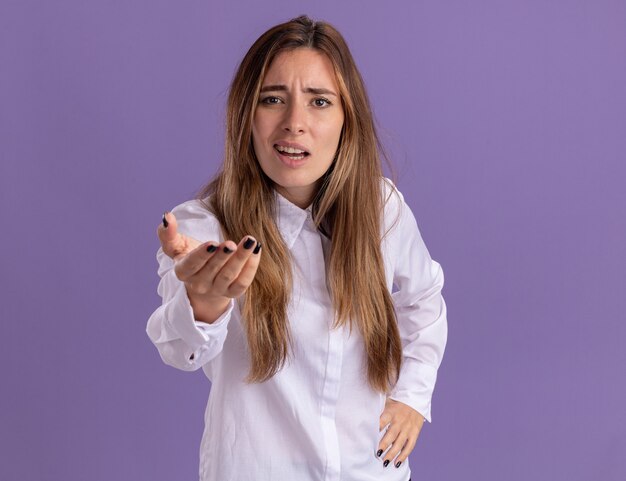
x: 405, y: 425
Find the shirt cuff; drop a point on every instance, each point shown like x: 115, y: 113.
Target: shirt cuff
x: 415, y: 386
x: 179, y: 315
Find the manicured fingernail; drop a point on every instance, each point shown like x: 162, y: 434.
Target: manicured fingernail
x: 227, y: 250
x: 380, y: 451
x: 257, y: 248
x: 398, y: 464
x: 248, y: 243
x: 211, y: 248
x: 165, y: 222
x: 386, y: 463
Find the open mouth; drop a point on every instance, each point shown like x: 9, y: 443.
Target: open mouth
x: 292, y: 155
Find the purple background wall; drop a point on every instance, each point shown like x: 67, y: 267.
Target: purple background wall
x: 507, y: 125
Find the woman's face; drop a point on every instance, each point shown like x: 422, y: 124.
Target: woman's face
x: 299, y: 104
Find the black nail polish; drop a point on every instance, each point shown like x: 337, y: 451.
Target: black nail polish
x: 380, y: 451
x: 248, y: 243
x: 227, y: 250
x: 211, y: 248
x: 257, y: 248
x: 398, y: 464
x: 386, y: 463
x: 165, y: 222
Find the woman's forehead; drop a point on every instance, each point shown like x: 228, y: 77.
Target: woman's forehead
x: 309, y: 66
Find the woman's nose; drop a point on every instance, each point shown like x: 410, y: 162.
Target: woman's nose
x: 295, y: 119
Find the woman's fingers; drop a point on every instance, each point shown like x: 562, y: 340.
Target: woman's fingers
x: 407, y: 448
x: 389, y: 439
x: 220, y: 270
x: 235, y: 275
x: 396, y: 445
x: 192, y: 263
x: 173, y: 243
x: 202, y: 281
x: 247, y: 272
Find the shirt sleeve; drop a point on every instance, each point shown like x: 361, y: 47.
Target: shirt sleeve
x: 182, y: 341
x: 421, y: 315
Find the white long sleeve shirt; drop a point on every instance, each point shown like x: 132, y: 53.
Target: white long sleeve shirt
x: 317, y: 418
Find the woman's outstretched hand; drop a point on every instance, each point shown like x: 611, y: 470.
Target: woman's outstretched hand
x: 213, y: 273
x: 405, y: 424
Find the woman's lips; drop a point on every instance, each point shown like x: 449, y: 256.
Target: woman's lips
x: 292, y: 161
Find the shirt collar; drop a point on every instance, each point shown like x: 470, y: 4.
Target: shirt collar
x: 290, y: 219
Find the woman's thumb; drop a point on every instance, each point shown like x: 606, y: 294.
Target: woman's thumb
x: 168, y: 228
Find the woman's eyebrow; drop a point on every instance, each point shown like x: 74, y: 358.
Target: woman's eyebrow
x: 308, y: 90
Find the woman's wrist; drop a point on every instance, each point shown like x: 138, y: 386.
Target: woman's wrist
x: 207, y: 309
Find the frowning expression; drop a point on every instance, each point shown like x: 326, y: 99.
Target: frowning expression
x: 297, y: 122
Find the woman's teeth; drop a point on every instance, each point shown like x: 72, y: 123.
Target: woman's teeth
x: 295, y: 154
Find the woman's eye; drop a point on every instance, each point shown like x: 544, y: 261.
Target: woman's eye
x: 322, y: 100
x: 265, y: 100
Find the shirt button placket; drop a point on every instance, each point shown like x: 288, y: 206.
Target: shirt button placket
x: 332, y: 378
x: 329, y: 403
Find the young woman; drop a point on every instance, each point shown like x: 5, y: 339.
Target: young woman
x: 323, y: 328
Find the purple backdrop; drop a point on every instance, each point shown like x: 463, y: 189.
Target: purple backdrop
x: 506, y: 122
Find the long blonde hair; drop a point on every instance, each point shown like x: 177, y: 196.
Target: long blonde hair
x: 347, y: 208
